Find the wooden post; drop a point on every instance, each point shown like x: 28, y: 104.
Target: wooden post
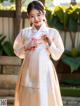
x: 73, y: 2
x: 43, y: 1
x: 18, y: 17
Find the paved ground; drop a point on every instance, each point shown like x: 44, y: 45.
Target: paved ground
x: 71, y: 101
x: 67, y: 101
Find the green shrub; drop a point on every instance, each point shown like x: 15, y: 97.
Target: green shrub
x: 64, y: 18
x: 6, y: 48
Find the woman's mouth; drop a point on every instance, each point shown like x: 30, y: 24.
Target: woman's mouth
x: 36, y: 22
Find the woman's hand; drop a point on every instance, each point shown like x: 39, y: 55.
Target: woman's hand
x: 31, y: 45
x: 47, y: 39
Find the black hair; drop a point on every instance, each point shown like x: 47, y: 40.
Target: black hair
x: 35, y: 5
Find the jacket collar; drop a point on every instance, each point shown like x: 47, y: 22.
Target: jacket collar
x: 43, y: 28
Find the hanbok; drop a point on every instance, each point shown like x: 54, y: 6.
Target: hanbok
x: 38, y: 83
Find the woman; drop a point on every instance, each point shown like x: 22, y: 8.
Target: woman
x: 38, y: 83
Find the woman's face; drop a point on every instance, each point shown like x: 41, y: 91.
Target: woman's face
x: 36, y: 17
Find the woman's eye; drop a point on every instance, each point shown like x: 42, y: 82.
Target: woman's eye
x: 38, y: 15
x: 32, y: 16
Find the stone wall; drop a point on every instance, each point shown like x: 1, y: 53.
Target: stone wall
x: 71, y: 101
x: 9, y: 69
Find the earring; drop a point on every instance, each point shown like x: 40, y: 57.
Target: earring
x: 44, y: 19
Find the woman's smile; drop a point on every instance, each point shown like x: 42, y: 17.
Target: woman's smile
x: 36, y: 17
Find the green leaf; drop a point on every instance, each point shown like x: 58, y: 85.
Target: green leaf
x: 71, y: 82
x: 73, y: 63
x: 1, y: 1
x: 58, y: 11
x: 2, y: 38
x: 12, y: 0
x: 67, y: 52
x: 1, y: 52
x: 8, y: 48
x: 66, y: 18
x: 72, y: 25
x: 48, y: 13
x: 70, y: 91
x: 49, y: 16
x: 56, y: 23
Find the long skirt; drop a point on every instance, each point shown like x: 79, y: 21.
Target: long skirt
x: 38, y: 82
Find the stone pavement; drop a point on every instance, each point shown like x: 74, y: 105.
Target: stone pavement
x: 71, y: 101
x: 67, y: 101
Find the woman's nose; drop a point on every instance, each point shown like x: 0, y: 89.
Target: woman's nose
x: 36, y: 18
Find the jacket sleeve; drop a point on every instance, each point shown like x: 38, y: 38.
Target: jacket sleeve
x: 18, y: 45
x: 56, y: 48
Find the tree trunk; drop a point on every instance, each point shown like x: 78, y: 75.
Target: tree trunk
x: 43, y: 1
x: 73, y: 2
x: 18, y: 17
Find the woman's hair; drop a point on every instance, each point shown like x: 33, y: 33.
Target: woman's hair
x: 35, y: 5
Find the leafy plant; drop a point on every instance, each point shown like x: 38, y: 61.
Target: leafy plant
x: 6, y: 47
x: 12, y: 7
x: 72, y: 59
x: 67, y: 19
x: 70, y: 91
x: 64, y: 18
x: 12, y: 0
x: 1, y: 1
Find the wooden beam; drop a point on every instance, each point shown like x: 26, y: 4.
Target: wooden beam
x: 18, y: 17
x: 10, y: 60
x: 43, y: 1
x: 8, y: 81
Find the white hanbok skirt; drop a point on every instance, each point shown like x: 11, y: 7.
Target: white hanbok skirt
x: 38, y: 83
